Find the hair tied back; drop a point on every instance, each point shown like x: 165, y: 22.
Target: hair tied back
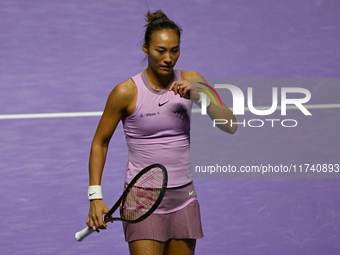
x: 158, y: 21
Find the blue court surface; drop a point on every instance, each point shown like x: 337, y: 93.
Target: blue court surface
x: 59, y: 60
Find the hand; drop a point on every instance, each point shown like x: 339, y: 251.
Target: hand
x: 95, y: 218
x: 184, y: 89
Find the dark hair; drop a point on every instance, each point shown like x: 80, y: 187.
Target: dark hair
x: 158, y: 21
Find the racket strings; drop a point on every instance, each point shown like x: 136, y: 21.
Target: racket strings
x: 143, y: 195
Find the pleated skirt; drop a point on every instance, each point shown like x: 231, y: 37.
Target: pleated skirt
x: 177, y: 217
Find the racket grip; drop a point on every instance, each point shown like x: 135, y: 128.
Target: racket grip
x: 80, y: 235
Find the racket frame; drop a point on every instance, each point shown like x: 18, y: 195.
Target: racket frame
x: 121, y: 200
x: 107, y: 217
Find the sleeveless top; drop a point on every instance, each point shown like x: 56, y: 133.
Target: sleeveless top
x: 158, y: 131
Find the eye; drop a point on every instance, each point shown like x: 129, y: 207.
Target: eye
x: 160, y: 51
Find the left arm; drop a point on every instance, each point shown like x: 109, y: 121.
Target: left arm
x: 190, y: 91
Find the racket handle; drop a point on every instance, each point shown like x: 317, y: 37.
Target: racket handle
x: 84, y: 233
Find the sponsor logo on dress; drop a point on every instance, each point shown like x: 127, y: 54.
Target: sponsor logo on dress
x: 149, y: 114
x: 160, y: 105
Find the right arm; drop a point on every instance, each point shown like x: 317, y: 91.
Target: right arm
x: 121, y: 102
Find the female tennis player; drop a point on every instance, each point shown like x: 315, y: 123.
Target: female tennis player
x: 154, y: 107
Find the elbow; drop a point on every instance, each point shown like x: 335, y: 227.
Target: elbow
x: 228, y: 128
x: 232, y: 130
x: 233, y: 126
x: 228, y: 124
x: 100, y: 142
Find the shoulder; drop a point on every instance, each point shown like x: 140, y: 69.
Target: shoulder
x: 187, y: 75
x: 127, y: 87
x: 123, y: 94
x: 125, y: 90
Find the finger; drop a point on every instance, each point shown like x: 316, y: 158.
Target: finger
x: 108, y: 219
x: 89, y: 223
x: 175, y: 89
x: 101, y: 224
x: 186, y: 92
x: 182, y: 93
x: 95, y: 221
x: 182, y: 89
x: 177, y: 86
x: 106, y: 210
x: 172, y: 86
x: 102, y: 221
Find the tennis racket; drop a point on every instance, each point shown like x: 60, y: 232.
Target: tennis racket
x: 140, y: 198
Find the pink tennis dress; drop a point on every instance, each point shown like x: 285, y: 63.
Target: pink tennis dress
x: 158, y: 131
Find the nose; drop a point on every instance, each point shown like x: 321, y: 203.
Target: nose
x: 167, y: 59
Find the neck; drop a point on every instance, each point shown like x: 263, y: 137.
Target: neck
x: 157, y: 81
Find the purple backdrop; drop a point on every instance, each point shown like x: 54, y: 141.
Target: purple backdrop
x: 66, y: 56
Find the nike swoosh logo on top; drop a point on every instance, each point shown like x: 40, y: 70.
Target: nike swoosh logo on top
x: 160, y: 105
x: 191, y: 192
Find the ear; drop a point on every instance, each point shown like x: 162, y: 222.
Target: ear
x: 145, y: 49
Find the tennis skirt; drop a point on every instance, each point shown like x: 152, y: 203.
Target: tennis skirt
x: 177, y: 217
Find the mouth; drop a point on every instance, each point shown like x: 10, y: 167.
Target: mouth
x: 166, y: 68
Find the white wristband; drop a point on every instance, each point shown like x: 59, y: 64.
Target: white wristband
x: 94, y: 192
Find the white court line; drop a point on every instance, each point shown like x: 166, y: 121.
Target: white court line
x: 92, y: 114
x: 288, y: 107
x: 49, y: 115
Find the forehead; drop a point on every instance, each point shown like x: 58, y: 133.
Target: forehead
x: 166, y: 37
